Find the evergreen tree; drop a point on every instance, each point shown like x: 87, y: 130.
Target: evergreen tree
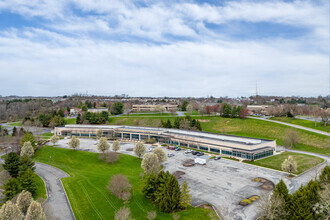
x: 312, y: 191
x: 325, y: 175
x: 149, y: 187
x: 12, y: 188
x: 185, y: 196
x: 184, y: 106
x: 281, y: 190
x: 28, y: 136
x: 11, y: 164
x: 226, y: 110
x: 168, y: 124
x: 160, y: 184
x: 14, y: 132
x: 24, y: 164
x: 299, y: 206
x: 193, y: 123
x: 171, y: 200
x: 78, y: 120
x: 177, y: 123
x: 198, y: 125
x: 28, y: 181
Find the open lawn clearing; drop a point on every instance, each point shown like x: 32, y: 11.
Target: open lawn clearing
x: 70, y: 120
x: 47, y: 135
x: 86, y: 186
x: 147, y: 114
x: 193, y: 113
x: 308, y: 141
x: 19, y: 123
x: 304, y: 123
x: 304, y: 162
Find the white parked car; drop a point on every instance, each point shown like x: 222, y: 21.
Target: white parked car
x: 188, y: 151
x: 170, y: 155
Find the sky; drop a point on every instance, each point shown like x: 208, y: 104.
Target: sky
x: 164, y: 48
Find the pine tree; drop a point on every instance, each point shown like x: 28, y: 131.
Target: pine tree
x: 193, y: 123
x: 78, y: 120
x: 171, y: 200
x: 12, y: 187
x: 325, y: 175
x: 185, y: 199
x: 14, y: 132
x: 177, y: 123
x: 198, y: 125
x: 281, y: 190
x: 11, y: 164
x: 299, y: 206
x: 24, y: 164
x: 28, y: 181
x: 226, y: 110
x: 149, y: 187
x: 160, y: 184
x: 168, y: 124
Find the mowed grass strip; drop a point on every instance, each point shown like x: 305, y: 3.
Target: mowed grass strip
x: 19, y: 123
x: 41, y: 189
x: 304, y: 123
x: 304, y: 162
x: 70, y: 120
x: 308, y: 141
x: 86, y: 186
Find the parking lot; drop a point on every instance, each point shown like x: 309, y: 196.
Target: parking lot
x: 222, y: 183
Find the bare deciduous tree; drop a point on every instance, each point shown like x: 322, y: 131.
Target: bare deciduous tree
x: 54, y: 139
x: 123, y: 213
x: 272, y: 207
x: 139, y: 149
x: 324, y: 117
x: 112, y: 157
x: 291, y: 138
x: 120, y: 187
x: 150, y: 163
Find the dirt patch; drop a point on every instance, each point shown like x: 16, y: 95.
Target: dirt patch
x: 266, y: 184
x: 206, y: 206
x: 178, y: 174
x: 203, y: 120
x: 189, y: 163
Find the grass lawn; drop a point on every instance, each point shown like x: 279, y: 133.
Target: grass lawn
x: 304, y: 162
x: 41, y: 190
x: 308, y: 141
x: 19, y: 123
x: 47, y: 135
x: 302, y: 122
x: 146, y: 114
x: 70, y: 120
x: 193, y: 113
x: 86, y: 186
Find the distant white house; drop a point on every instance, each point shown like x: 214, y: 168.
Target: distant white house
x: 98, y: 110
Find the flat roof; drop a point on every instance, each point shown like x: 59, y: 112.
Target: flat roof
x: 196, y: 134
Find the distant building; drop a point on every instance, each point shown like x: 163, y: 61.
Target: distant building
x: 258, y: 109
x: 151, y: 108
x: 75, y: 111
x: 98, y: 110
x: 228, y: 145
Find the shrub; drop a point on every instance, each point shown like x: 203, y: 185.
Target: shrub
x: 254, y: 198
x: 245, y: 202
x: 112, y: 157
x: 120, y: 187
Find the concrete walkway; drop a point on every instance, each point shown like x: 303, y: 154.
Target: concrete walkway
x: 294, y: 126
x: 57, y: 201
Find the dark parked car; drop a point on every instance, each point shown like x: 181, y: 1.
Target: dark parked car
x: 200, y: 154
x: 177, y: 149
x: 194, y: 152
x: 217, y: 158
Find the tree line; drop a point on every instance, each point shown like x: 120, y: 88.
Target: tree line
x: 187, y: 123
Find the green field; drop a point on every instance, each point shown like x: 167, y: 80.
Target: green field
x: 41, y: 190
x: 193, y: 113
x: 308, y: 141
x: 47, y: 135
x: 19, y: 123
x: 302, y: 122
x: 70, y: 120
x: 86, y: 186
x: 146, y: 114
x: 304, y: 162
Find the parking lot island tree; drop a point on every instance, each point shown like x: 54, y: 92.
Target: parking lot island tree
x: 116, y: 146
x: 74, y: 143
x: 99, y: 133
x: 289, y: 165
x: 103, y: 145
x: 139, y: 149
x: 150, y: 163
x: 162, y: 157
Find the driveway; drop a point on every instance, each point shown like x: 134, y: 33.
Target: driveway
x: 294, y: 126
x: 57, y: 204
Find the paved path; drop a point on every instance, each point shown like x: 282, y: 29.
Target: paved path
x: 294, y: 126
x: 57, y: 200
